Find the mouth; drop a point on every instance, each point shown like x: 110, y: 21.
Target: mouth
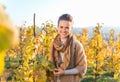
x: 63, y: 33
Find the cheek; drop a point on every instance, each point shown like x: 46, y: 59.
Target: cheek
x: 69, y: 30
x: 58, y: 29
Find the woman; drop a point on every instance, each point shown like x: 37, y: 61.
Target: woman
x: 67, y: 53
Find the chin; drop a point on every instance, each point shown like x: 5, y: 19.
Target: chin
x: 63, y: 36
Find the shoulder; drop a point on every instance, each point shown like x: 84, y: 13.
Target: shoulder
x: 78, y: 43
x: 51, y: 44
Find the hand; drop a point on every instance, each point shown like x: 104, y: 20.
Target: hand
x: 58, y: 72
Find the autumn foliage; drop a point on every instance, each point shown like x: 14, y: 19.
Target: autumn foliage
x: 29, y: 60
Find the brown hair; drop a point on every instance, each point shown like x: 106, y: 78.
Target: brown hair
x: 66, y: 17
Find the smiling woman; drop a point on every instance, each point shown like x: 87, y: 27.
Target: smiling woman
x: 8, y: 35
x: 67, y: 53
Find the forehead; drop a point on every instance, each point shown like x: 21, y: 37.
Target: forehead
x: 65, y: 23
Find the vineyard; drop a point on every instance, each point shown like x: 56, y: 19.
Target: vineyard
x: 29, y: 59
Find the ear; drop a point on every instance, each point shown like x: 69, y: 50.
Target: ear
x: 71, y: 28
x: 57, y: 27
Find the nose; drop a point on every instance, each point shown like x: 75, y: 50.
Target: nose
x: 64, y: 29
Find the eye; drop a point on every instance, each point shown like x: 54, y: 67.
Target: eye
x: 67, y: 27
x: 61, y: 26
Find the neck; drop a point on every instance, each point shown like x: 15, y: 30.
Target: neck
x: 63, y: 40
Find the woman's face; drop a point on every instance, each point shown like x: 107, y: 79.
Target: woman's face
x: 64, y: 28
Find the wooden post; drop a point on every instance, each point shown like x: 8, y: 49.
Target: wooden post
x: 34, y: 42
x: 34, y: 24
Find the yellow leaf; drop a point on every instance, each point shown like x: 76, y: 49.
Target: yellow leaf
x: 8, y: 33
x: 116, y: 76
x: 2, y: 55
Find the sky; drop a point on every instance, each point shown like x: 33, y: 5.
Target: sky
x: 85, y: 12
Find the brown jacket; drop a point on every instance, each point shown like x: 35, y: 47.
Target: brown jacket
x: 80, y: 63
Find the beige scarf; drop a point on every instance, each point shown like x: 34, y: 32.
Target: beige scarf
x: 66, y: 48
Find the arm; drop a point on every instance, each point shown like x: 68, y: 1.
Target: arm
x: 81, y: 61
x: 60, y: 71
x: 71, y: 71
